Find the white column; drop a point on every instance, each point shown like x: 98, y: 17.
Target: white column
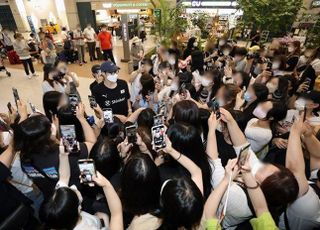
x: 19, y: 14
x: 71, y: 13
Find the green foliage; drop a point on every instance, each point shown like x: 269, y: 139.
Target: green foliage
x: 313, y: 36
x: 171, y: 23
x: 276, y: 16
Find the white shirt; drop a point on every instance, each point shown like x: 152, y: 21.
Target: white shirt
x: 88, y: 222
x: 257, y: 137
x: 303, y: 213
x: 135, y: 88
x: 89, y: 34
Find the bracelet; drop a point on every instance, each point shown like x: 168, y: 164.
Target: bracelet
x: 179, y: 157
x: 254, y: 187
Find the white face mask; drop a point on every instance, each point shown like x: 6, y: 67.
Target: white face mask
x: 172, y: 61
x: 221, y: 43
x: 271, y: 87
x: 205, y: 82
x: 112, y: 77
x: 259, y: 113
x: 226, y: 52
x: 221, y: 102
x: 275, y: 65
x: 300, y: 104
x: 290, y: 49
x: 237, y: 58
x: 195, y: 44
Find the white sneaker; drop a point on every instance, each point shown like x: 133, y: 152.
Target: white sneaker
x: 34, y: 74
x: 28, y: 76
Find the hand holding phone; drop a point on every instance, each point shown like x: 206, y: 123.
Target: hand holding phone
x: 158, y: 137
x: 108, y: 116
x: 216, y: 108
x: 15, y: 95
x: 131, y: 133
x: 87, y: 171
x: 68, y: 133
x: 73, y: 102
x: 92, y: 101
x: 244, y: 152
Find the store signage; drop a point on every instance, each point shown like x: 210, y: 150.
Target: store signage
x: 315, y: 4
x: 196, y: 3
x: 125, y: 38
x: 118, y: 5
x: 157, y: 13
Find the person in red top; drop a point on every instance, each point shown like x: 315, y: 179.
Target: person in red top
x: 105, y: 39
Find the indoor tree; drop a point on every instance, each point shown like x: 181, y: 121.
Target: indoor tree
x: 277, y: 16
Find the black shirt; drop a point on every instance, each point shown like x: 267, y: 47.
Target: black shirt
x: 10, y: 197
x: 116, y: 99
x: 43, y: 168
x: 92, y: 85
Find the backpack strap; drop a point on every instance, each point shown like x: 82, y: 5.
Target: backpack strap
x: 286, y: 220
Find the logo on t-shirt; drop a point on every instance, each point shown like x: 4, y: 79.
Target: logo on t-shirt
x: 122, y: 91
x: 107, y: 103
x: 104, y: 95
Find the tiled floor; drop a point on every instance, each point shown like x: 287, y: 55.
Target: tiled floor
x: 30, y: 89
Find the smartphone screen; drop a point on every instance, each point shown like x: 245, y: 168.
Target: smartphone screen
x: 108, y: 116
x: 92, y: 101
x: 158, y: 120
x: 73, y: 101
x: 216, y: 108
x: 15, y: 94
x: 158, y: 137
x: 131, y: 132
x: 87, y: 171
x: 243, y: 155
x: 68, y: 133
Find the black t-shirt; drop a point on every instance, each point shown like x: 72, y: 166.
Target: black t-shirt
x: 92, y: 85
x: 225, y: 150
x: 292, y: 62
x: 10, y: 197
x: 43, y: 169
x: 116, y: 99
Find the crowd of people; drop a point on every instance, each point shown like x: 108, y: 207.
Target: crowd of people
x: 221, y: 138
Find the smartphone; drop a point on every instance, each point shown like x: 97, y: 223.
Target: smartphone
x: 308, y: 81
x: 33, y: 108
x: 15, y: 95
x: 158, y: 120
x: 158, y: 137
x: 4, y: 127
x: 243, y: 155
x: 73, y: 102
x: 68, y: 133
x: 9, y: 107
x: 216, y: 108
x: 131, y: 133
x: 304, y: 113
x: 163, y: 109
x: 108, y: 116
x: 92, y: 101
x: 87, y: 171
x: 269, y: 66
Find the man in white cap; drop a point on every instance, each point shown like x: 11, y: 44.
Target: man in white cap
x: 137, y: 52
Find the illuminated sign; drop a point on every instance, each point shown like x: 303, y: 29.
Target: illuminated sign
x: 315, y: 4
x: 210, y: 4
x: 118, y: 5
